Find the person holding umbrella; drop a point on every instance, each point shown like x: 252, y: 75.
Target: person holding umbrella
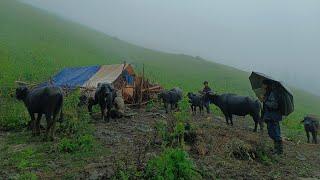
x: 277, y: 102
x: 271, y: 114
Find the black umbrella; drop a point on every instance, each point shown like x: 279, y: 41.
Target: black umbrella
x: 286, y: 103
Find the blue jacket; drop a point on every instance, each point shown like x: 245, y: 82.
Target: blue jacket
x: 271, y: 110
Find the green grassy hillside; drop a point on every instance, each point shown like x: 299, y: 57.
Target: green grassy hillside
x: 34, y: 45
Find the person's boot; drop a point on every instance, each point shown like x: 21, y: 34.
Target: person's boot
x: 280, y: 147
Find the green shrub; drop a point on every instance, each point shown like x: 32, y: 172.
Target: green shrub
x: 27, y: 176
x: 67, y: 145
x: 162, y: 132
x: 149, y: 106
x: 86, y: 142
x: 81, y: 144
x: 171, y: 164
x: 25, y: 159
x: 126, y: 170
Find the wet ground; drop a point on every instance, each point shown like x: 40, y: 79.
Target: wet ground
x: 131, y: 141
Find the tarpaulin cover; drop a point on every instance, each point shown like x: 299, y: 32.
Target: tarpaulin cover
x: 90, y: 76
x: 73, y: 77
x: 106, y: 73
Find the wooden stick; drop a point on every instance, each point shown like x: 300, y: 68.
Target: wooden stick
x: 25, y: 83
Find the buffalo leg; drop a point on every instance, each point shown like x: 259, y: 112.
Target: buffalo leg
x: 255, y: 126
x: 102, y: 109
x: 256, y: 121
x: 261, y: 124
x: 166, y: 107
x: 314, y: 137
x: 308, y: 136
x: 90, y: 109
x: 108, y: 114
x: 91, y: 103
x: 53, y: 126
x: 227, y: 119
x: 38, y: 124
x: 49, y: 126
x: 33, y: 123
x: 172, y: 107
x: 231, y: 120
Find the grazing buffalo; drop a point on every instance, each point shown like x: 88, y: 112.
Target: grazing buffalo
x: 311, y: 125
x: 104, y: 96
x: 196, y: 100
x: 231, y: 104
x: 171, y: 97
x: 44, y: 100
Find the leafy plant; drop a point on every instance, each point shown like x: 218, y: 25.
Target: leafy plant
x: 27, y: 176
x: 149, y: 106
x: 25, y: 159
x: 162, y: 133
x: 82, y: 143
x: 171, y: 164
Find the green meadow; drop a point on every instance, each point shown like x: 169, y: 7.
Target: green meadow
x: 35, y: 45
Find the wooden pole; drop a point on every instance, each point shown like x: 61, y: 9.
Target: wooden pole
x: 141, y: 86
x: 124, y: 84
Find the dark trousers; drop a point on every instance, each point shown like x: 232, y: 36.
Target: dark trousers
x: 207, y: 106
x: 274, y: 130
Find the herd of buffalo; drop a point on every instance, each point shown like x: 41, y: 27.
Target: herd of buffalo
x: 48, y: 101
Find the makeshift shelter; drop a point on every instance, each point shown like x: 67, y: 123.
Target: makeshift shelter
x: 135, y: 89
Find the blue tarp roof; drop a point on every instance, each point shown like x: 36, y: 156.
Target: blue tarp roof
x: 73, y: 77
x: 90, y: 76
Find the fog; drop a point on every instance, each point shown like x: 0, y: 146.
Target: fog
x: 277, y: 37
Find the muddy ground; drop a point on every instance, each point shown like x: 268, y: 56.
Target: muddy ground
x: 219, y: 151
x: 132, y: 141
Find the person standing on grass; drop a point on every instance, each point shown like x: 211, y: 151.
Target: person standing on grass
x: 206, y: 90
x: 271, y: 115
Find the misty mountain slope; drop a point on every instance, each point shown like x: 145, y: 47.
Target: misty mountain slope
x: 35, y: 44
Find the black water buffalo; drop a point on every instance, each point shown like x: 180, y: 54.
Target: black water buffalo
x: 311, y: 125
x: 104, y: 96
x: 171, y: 97
x: 231, y: 104
x: 44, y: 100
x: 196, y: 100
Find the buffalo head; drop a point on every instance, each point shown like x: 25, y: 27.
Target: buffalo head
x: 22, y: 92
